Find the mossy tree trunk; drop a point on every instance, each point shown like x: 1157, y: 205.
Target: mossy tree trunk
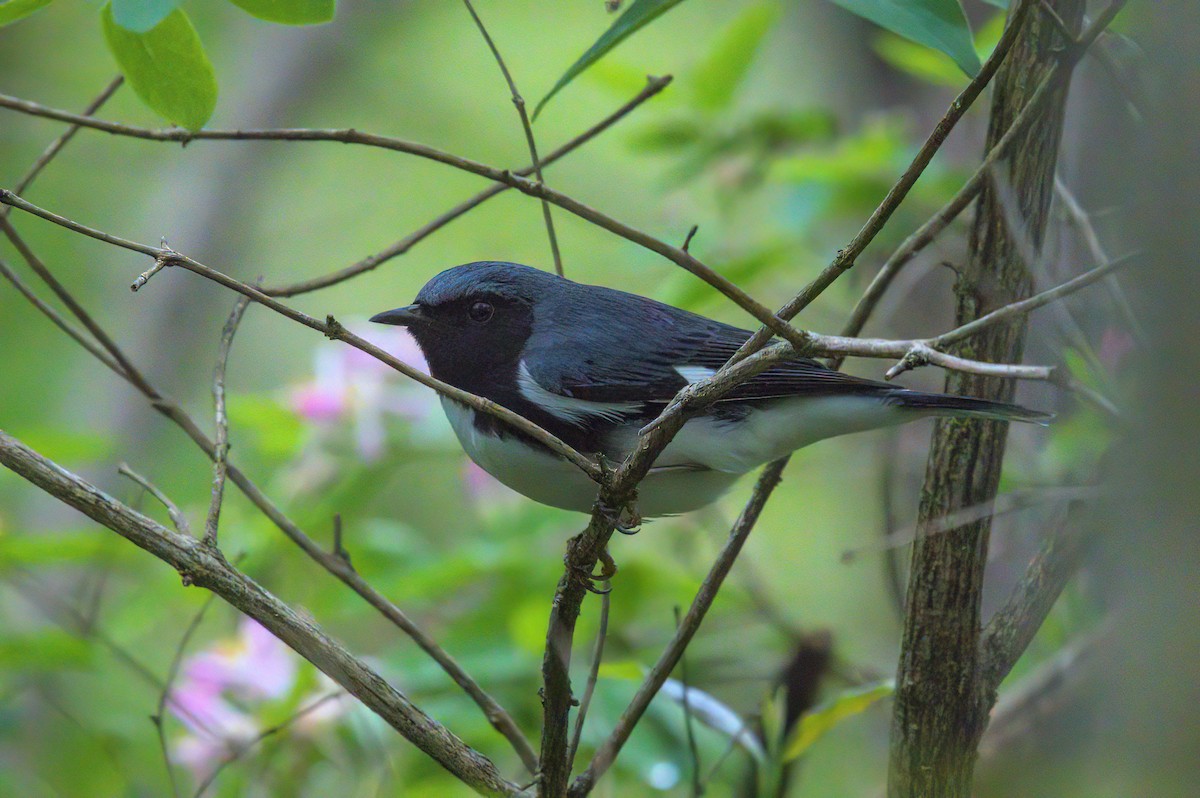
x: 942, y: 700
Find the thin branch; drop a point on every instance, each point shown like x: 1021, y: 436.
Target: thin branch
x: 52, y: 151
x: 519, y: 102
x: 607, y: 752
x: 169, y: 684
x: 221, y: 422
x: 54, y: 316
x: 241, y: 750
x: 593, y: 672
x: 1079, y: 218
x: 1013, y: 626
x: 71, y: 304
x: 339, y: 567
x: 177, y: 517
x: 1021, y: 308
x: 924, y: 235
x: 1021, y: 709
x: 927, y: 350
x: 654, y: 85
x: 331, y: 328
x: 349, y: 136
x: 204, y: 566
x: 848, y: 255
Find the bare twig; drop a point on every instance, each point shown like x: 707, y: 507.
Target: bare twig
x: 54, y: 316
x: 52, y: 151
x: 70, y: 302
x: 204, y: 566
x: 926, y: 351
x: 221, y: 422
x: 924, y: 235
x: 533, y: 188
x: 1013, y: 626
x: 593, y: 672
x: 1079, y: 218
x: 339, y: 550
x: 339, y: 567
x: 519, y: 102
x: 177, y: 517
x: 607, y: 752
x: 331, y: 328
x: 169, y: 684
x: 654, y: 85
x: 160, y: 263
x: 848, y: 255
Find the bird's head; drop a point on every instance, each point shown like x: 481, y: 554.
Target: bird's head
x: 472, y: 321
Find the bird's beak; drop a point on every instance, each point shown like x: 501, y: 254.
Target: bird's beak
x: 408, y: 316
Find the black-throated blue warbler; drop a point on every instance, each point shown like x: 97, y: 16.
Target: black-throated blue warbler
x: 594, y: 365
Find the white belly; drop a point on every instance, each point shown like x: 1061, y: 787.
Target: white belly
x: 724, y: 451
x: 551, y: 480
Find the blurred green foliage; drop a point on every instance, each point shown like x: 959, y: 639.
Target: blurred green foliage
x: 779, y: 137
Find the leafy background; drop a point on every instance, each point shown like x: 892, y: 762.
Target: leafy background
x: 786, y: 124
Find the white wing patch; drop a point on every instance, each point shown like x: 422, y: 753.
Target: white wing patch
x: 694, y: 374
x: 573, y: 411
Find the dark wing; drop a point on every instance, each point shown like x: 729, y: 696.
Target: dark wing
x: 617, y: 347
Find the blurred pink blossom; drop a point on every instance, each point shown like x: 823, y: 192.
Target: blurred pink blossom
x: 217, y: 691
x: 349, y: 384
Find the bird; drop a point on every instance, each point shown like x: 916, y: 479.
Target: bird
x: 594, y: 365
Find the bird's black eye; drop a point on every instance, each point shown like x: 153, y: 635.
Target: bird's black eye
x: 481, y: 312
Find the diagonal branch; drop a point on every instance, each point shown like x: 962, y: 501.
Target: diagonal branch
x: 177, y: 517
x: 653, y: 87
x: 848, y: 255
x: 331, y: 328
x: 336, y: 565
x: 204, y: 566
x: 519, y: 102
x: 607, y: 752
x: 533, y: 188
x: 56, y: 146
x: 1013, y: 626
x: 221, y: 422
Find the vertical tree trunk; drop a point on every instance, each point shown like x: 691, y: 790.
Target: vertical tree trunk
x: 941, y: 705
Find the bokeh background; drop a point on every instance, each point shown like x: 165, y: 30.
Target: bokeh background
x: 785, y: 125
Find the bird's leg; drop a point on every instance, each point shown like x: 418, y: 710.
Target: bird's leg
x: 608, y: 569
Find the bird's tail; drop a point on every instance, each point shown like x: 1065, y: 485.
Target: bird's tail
x: 943, y: 404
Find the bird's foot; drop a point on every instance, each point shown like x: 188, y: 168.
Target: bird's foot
x: 625, y: 520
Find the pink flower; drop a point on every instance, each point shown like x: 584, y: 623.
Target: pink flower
x: 349, y: 384
x: 217, y: 691
x: 255, y: 665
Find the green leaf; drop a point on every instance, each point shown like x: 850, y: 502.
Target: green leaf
x: 19, y: 9
x: 939, y: 24
x: 166, y: 66
x: 639, y: 14
x: 717, y: 77
x: 998, y: 3
x: 140, y: 16
x: 815, y: 724
x: 289, y: 12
